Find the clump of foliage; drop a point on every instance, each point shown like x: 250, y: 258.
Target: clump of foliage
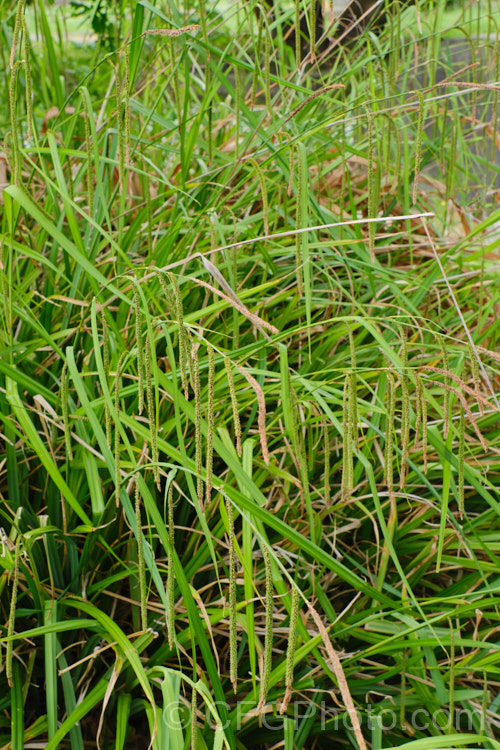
x: 249, y: 382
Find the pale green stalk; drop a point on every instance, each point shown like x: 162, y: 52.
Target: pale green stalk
x: 170, y: 569
x: 290, y: 650
x: 140, y: 350
x: 461, y: 462
x: 198, y: 440
x: 389, y: 433
x: 12, y: 611
x: 28, y: 78
x: 418, y: 149
x: 151, y: 412
x: 105, y: 362
x: 117, y: 429
x: 65, y: 411
x: 210, y: 426
x: 268, y: 636
x: 143, y: 593
x: 233, y: 642
x: 234, y: 405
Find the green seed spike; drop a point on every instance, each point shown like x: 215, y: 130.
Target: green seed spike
x: 12, y: 612
x: 211, y: 425
x: 140, y: 350
x: 268, y: 637
x: 16, y: 152
x: 170, y: 569
x: 197, y: 438
x: 405, y: 412
x: 151, y: 413
x: 451, y: 691
x: 371, y: 188
x: 290, y: 650
x: 194, y: 720
x: 29, y: 79
x: 88, y: 151
x: 347, y: 452
x: 65, y: 411
x: 418, y: 150
x: 475, y: 378
x: 183, y: 338
x: 233, y: 642
x: 446, y: 397
x: 298, y: 49
x: 326, y: 486
x: 424, y: 427
x: 177, y: 298
x: 117, y: 430
x: 298, y: 237
x: 234, y: 405
x: 168, y: 296
x: 418, y: 408
x: 389, y: 434
x: 461, y: 463
x: 105, y: 360
x: 354, y: 389
x: 403, y: 333
x: 140, y: 558
x: 16, y: 31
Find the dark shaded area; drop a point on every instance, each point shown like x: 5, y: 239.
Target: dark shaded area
x: 349, y: 26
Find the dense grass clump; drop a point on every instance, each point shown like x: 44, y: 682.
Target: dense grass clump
x: 249, y: 378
